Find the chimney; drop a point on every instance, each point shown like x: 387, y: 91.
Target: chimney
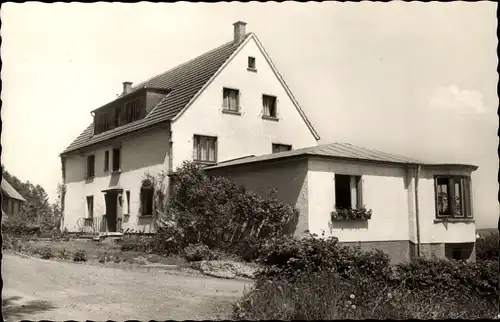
x: 127, y: 86
x: 239, y: 31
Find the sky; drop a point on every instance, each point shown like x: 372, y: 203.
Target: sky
x: 417, y: 79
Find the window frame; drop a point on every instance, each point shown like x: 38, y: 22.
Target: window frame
x: 90, y: 166
x: 465, y: 191
x: 276, y: 145
x: 144, y: 194
x: 127, y: 196
x: 119, y: 166
x: 264, y: 114
x: 198, y: 153
x: 355, y: 181
x: 252, y: 63
x: 106, y: 161
x: 227, y: 107
x: 90, y: 207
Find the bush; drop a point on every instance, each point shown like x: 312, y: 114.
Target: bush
x: 289, y: 258
x: 478, y: 279
x: 199, y: 252
x: 64, y: 253
x: 216, y: 212
x: 46, y: 252
x: 324, y: 294
x: 487, y: 247
x: 140, y: 244
x: 80, y: 256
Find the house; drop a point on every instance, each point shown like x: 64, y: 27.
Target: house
x: 407, y: 199
x: 12, y: 201
x: 227, y: 103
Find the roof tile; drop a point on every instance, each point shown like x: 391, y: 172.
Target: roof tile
x: 184, y: 81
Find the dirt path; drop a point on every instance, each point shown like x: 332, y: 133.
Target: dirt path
x: 37, y: 289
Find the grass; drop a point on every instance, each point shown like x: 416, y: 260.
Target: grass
x: 97, y: 250
x: 323, y: 295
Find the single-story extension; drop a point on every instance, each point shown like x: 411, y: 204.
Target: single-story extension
x: 368, y: 198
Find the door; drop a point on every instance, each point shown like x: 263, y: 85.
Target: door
x: 111, y: 209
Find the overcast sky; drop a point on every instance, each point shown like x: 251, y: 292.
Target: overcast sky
x: 418, y: 79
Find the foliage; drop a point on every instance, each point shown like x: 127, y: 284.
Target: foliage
x: 142, y: 243
x: 216, y: 212
x: 325, y: 295
x: 37, y: 210
x: 20, y: 226
x: 46, y: 252
x: 487, y: 247
x: 480, y: 278
x: 80, y: 256
x: 351, y: 214
x: 314, y: 278
x: 64, y: 253
x: 288, y: 257
x: 199, y: 252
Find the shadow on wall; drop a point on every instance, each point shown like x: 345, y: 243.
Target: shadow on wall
x: 13, y: 308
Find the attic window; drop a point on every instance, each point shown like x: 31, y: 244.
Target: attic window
x: 251, y: 63
x: 269, y: 106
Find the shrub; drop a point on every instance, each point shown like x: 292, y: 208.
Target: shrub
x: 199, y: 252
x: 141, y: 244
x: 324, y: 294
x: 487, y: 247
x: 80, y: 256
x: 480, y: 278
x: 64, y: 253
x: 216, y: 212
x: 289, y: 257
x: 46, y: 252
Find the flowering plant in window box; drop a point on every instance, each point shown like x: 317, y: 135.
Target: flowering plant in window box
x: 360, y: 213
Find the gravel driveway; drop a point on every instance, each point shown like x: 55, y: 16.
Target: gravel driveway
x: 37, y: 289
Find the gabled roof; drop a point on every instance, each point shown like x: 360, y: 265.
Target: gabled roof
x: 340, y: 151
x: 9, y: 191
x: 184, y: 81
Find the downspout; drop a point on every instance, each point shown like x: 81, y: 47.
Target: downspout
x: 417, y: 175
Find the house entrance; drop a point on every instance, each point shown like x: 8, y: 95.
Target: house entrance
x: 111, y: 200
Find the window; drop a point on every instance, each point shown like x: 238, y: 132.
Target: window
x: 90, y: 166
x: 133, y: 110
x: 127, y: 193
x: 251, y: 62
x: 348, y: 191
x: 90, y: 207
x: 269, y: 105
x: 147, y: 198
x: 106, y: 160
x: 453, y: 196
x: 116, y: 159
x: 231, y: 99
x: 205, y: 148
x: 118, y: 115
x: 281, y: 148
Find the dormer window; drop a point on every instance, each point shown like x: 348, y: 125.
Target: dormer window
x: 251, y: 63
x: 133, y: 110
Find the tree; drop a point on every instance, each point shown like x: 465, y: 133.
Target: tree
x: 37, y: 210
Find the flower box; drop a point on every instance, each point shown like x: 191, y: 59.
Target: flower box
x: 351, y: 214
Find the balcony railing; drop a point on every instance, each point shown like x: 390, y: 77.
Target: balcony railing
x: 95, y: 225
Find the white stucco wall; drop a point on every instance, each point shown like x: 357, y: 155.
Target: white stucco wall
x: 438, y: 232
x: 147, y: 152
x: 248, y: 133
x: 385, y: 192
